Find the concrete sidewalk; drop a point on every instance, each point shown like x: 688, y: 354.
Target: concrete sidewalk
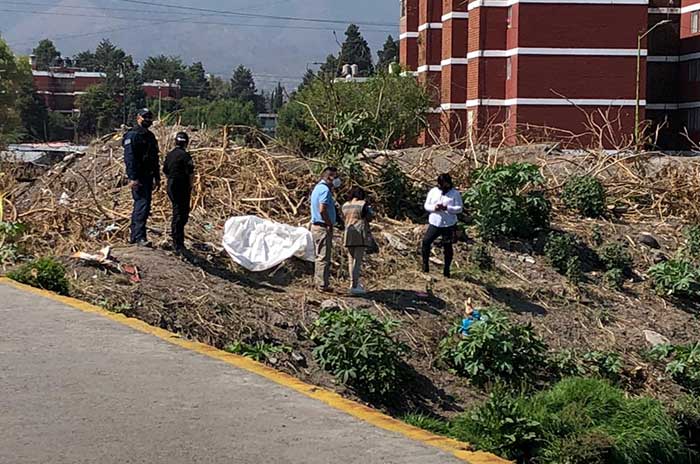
x: 79, y: 388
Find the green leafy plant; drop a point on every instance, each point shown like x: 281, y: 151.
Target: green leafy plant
x: 358, y: 349
x: 45, y: 273
x: 429, y: 423
x: 586, y: 195
x: 508, y: 201
x: 565, y: 363
x: 502, y: 426
x: 398, y: 194
x: 480, y: 257
x: 597, y: 235
x: 686, y: 412
x: 10, y: 234
x: 495, y: 350
x: 614, y: 279
x: 607, y: 365
x: 682, y: 363
x: 616, y: 256
x: 260, y: 351
x: 692, y: 242
x: 676, y: 278
x: 562, y: 251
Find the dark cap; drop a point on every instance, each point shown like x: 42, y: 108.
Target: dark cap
x: 145, y: 113
x: 182, y: 138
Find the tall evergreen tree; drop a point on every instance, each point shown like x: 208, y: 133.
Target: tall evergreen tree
x: 308, y: 78
x: 355, y: 50
x: 46, y: 54
x: 219, y: 88
x: 389, y: 54
x: 163, y: 68
x: 195, y: 83
x: 243, y: 88
x: 329, y: 69
x: 277, y: 98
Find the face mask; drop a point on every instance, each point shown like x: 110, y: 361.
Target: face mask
x: 337, y: 182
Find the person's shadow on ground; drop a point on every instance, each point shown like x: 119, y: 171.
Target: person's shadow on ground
x: 408, y: 300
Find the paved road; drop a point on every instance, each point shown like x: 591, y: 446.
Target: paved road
x: 79, y: 388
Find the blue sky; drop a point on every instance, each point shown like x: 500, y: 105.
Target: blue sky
x: 274, y: 49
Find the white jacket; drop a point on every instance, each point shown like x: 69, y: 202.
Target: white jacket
x: 453, y: 201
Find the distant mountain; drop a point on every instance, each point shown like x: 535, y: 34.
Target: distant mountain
x: 274, y: 49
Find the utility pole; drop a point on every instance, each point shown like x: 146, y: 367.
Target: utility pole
x: 640, y: 37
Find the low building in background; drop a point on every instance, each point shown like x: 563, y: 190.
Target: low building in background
x: 548, y: 69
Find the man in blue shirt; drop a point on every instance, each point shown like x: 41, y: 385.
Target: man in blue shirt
x: 323, y: 218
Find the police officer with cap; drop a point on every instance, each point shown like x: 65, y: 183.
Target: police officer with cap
x: 143, y: 170
x: 179, y: 169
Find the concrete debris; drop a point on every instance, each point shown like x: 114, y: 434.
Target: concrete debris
x: 655, y: 338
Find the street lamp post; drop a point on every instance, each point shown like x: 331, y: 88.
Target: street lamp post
x: 640, y: 37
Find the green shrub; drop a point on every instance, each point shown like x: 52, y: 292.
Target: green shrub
x: 395, y: 107
x: 44, y: 273
x: 259, y: 351
x: 562, y: 251
x: 501, y: 425
x: 358, y: 349
x: 607, y: 365
x: 221, y: 113
x: 507, y: 201
x: 10, y: 234
x: 495, y: 350
x: 676, y: 278
x: 616, y: 256
x: 398, y: 194
x: 586, y: 195
x: 686, y: 412
x: 683, y: 363
x: 614, y: 279
x: 576, y: 421
x: 692, y: 246
x: 480, y: 257
x: 431, y: 424
x: 565, y: 363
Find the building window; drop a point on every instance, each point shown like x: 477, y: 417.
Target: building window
x: 694, y: 70
x: 403, y: 8
x: 509, y: 68
x: 695, y: 22
x: 694, y: 120
x: 509, y: 20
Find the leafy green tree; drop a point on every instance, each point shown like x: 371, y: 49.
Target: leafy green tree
x: 355, y: 50
x: 329, y: 70
x: 220, y: 113
x: 243, y: 88
x: 85, y: 60
x: 99, y: 111
x: 46, y: 54
x: 219, y: 88
x: 31, y: 106
x: 308, y: 78
x: 163, y: 68
x: 10, y: 82
x: 389, y: 54
x: 195, y: 82
x: 387, y: 111
x: 277, y: 99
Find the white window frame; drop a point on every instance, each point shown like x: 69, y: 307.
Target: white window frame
x: 403, y: 8
x: 695, y: 22
x: 509, y: 18
x: 509, y: 68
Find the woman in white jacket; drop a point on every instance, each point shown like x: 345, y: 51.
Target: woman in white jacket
x: 444, y: 203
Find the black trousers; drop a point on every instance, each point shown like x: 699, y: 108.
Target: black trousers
x: 142, y: 196
x: 447, y: 234
x: 179, y: 192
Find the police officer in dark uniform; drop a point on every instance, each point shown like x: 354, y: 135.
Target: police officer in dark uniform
x: 179, y: 169
x: 143, y: 171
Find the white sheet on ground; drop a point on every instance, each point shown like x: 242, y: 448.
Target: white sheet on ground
x: 258, y: 244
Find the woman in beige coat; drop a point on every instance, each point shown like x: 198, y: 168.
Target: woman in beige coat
x: 357, y: 214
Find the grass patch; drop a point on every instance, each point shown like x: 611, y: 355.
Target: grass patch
x: 45, y: 273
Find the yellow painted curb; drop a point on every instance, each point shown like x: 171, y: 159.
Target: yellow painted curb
x: 357, y: 410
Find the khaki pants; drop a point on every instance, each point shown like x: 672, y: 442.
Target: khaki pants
x: 323, y: 242
x: 355, y: 256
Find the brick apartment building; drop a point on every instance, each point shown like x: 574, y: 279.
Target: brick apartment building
x: 510, y: 67
x: 60, y: 86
